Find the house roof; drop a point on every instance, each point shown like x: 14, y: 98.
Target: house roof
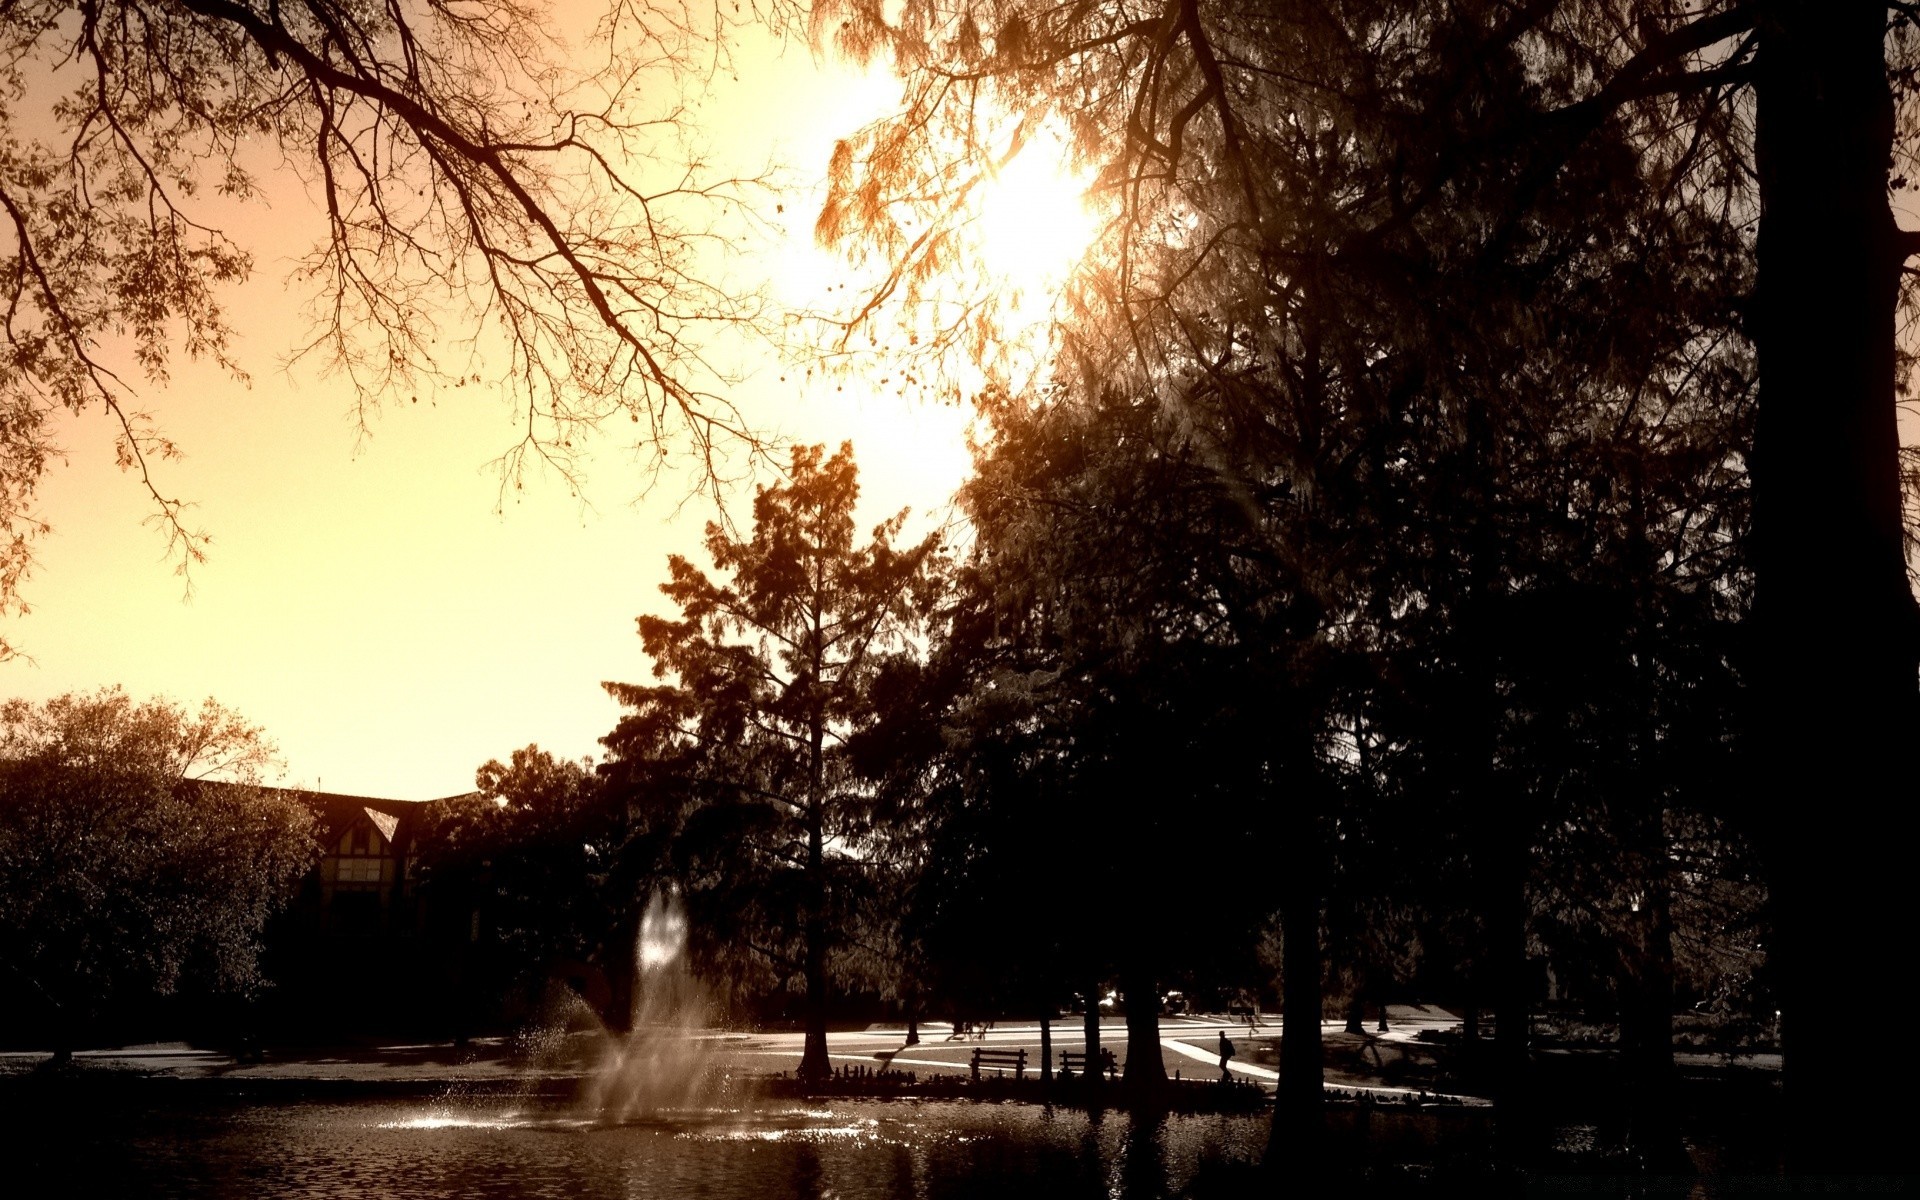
x: 338, y: 811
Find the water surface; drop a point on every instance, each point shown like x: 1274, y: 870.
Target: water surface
x: 486, y: 1147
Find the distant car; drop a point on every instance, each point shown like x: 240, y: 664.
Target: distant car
x: 1174, y: 1003
x: 1110, y: 1002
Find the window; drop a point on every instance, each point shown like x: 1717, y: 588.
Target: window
x: 363, y: 858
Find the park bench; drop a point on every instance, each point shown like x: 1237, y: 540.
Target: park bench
x: 1017, y: 1059
x: 1075, y: 1062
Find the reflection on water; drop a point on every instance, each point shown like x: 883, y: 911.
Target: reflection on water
x: 1144, y: 1165
x: 927, y: 1151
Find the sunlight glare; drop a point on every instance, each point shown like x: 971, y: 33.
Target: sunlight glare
x: 1034, y: 224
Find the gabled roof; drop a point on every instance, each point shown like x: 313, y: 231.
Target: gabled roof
x: 338, y: 812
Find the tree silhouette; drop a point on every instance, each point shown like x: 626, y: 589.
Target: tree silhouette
x: 533, y: 851
x: 138, y: 856
x: 1277, y: 176
x: 1130, y: 635
x: 738, y: 765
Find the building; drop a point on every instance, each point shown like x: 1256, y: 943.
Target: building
x: 360, y: 949
x: 366, y: 883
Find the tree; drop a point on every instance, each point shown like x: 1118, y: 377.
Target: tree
x: 139, y: 856
x: 1131, y: 626
x: 1761, y: 134
x: 1319, y: 259
x: 736, y: 769
x: 1834, y: 609
x: 534, y: 851
x: 481, y: 205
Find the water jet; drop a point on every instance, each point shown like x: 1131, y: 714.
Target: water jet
x: 662, y: 1067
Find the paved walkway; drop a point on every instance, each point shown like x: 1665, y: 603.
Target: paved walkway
x: 1184, y: 1042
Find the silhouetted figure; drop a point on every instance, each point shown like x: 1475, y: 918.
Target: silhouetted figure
x: 1226, y: 1052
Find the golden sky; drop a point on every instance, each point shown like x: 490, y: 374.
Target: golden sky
x: 364, y: 602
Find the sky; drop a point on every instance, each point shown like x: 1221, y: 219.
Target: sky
x: 364, y: 602
x: 367, y: 601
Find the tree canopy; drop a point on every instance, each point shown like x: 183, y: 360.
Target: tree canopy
x: 1400, y: 262
x: 492, y: 202
x: 138, y: 855
x: 533, y: 853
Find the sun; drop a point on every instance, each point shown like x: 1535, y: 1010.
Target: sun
x: 1033, y: 224
x: 987, y: 247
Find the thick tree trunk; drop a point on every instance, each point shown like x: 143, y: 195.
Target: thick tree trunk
x: 814, y: 1064
x: 1295, y: 1144
x: 1501, y: 819
x: 1646, y: 1019
x: 1145, y: 1070
x: 1836, y: 638
x: 1646, y: 1034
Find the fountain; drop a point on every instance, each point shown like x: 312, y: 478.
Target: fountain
x: 662, y: 1068
x: 657, y: 1114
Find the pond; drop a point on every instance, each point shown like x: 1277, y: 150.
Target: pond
x: 486, y: 1147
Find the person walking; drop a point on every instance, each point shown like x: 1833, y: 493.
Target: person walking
x: 1226, y: 1052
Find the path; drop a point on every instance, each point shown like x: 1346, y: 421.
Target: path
x: 1184, y: 1041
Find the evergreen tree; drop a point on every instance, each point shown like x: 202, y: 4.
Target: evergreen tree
x: 735, y: 768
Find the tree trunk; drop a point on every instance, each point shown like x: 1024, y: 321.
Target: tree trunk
x: 1646, y: 1019
x: 1356, y: 1012
x: 1145, y: 1071
x: 1295, y: 1142
x: 1091, y: 1029
x: 1046, y: 1048
x: 913, y: 1027
x: 814, y: 1064
x: 1836, y: 635
x: 1646, y: 1034
x: 1515, y: 1122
